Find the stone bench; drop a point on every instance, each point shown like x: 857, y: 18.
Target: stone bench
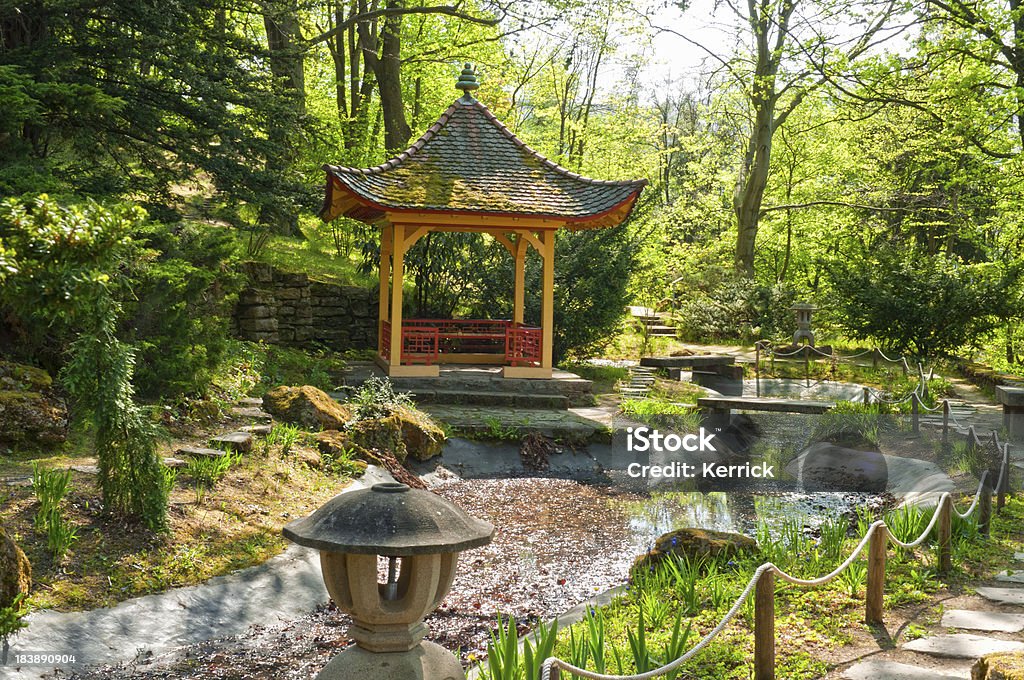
x: 724, y: 405
x: 692, y: 361
x: 1012, y: 399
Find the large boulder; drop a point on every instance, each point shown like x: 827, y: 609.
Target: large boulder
x: 29, y: 413
x: 999, y: 666
x: 380, y: 434
x: 423, y: 438
x: 15, y: 571
x: 306, y: 406
x: 696, y: 544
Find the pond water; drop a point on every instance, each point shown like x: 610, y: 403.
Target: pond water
x: 789, y: 388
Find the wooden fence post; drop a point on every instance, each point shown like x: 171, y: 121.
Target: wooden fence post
x: 874, y: 602
x: 867, y: 396
x: 945, y: 421
x: 945, y: 511
x: 764, y: 626
x: 757, y: 368
x: 1004, y: 486
x: 874, y: 358
x: 807, y: 365
x: 556, y: 674
x: 915, y: 413
x: 985, y: 512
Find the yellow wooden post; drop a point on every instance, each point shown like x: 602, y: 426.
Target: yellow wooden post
x: 386, y: 240
x: 547, y: 322
x: 398, y: 267
x: 520, y: 279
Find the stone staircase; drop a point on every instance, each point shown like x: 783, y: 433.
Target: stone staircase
x: 656, y: 323
x: 993, y: 623
x: 483, y: 386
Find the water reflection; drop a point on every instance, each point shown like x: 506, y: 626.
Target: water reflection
x: 663, y: 512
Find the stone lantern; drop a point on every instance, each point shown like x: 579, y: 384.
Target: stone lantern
x: 803, y: 323
x: 420, y: 535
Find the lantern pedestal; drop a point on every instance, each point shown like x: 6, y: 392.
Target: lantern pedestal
x: 419, y: 535
x: 425, y: 661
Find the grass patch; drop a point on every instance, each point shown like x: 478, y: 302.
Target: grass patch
x: 236, y: 523
x: 658, y: 412
x: 812, y: 622
x: 252, y: 368
x: 603, y: 377
x: 317, y: 256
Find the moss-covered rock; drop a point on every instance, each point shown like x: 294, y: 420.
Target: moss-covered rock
x: 423, y: 438
x: 380, y: 434
x: 307, y: 406
x: 28, y: 411
x: 696, y: 543
x: 999, y: 666
x: 15, y: 571
x: 22, y: 378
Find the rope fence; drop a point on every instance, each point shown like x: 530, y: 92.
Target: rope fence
x: 876, y: 540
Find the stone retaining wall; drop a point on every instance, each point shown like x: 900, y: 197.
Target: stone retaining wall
x: 289, y: 309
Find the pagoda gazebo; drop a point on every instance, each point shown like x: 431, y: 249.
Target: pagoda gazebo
x: 469, y: 173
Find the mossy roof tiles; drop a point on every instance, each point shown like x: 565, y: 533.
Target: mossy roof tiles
x: 468, y: 161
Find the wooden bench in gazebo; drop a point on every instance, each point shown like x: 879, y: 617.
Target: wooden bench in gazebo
x: 469, y: 173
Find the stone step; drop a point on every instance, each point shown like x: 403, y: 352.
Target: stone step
x: 492, y: 398
x: 251, y: 413
x: 1013, y: 596
x: 1011, y: 576
x: 483, y: 421
x: 240, y: 442
x: 991, y: 622
x: 198, y: 452
x: 962, y: 646
x: 880, y: 669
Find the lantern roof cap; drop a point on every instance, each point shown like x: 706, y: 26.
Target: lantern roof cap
x: 389, y: 519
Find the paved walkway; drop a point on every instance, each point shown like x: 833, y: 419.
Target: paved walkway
x: 282, y: 588
x: 993, y: 623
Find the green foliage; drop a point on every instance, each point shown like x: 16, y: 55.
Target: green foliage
x: 658, y: 412
x: 49, y: 487
x: 504, y: 661
x: 69, y: 259
x: 376, y: 398
x: 105, y: 104
x: 711, y: 304
x: 12, y: 620
x: 183, y: 289
x: 913, y: 301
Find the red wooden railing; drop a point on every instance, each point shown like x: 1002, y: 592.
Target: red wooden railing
x: 425, y: 340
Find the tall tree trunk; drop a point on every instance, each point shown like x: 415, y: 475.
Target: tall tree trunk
x: 284, y: 40
x: 387, y: 68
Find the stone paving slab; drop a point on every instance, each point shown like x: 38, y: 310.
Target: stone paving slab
x: 198, y: 452
x: 1011, y: 576
x: 878, y: 669
x: 233, y: 441
x: 1002, y: 595
x: 962, y: 646
x: 993, y: 622
x: 1018, y: 556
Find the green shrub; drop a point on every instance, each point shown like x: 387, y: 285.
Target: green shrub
x: 376, y: 398
x: 916, y: 302
x: 178, y: 316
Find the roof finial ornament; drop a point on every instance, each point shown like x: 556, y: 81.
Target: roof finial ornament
x: 467, y: 83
